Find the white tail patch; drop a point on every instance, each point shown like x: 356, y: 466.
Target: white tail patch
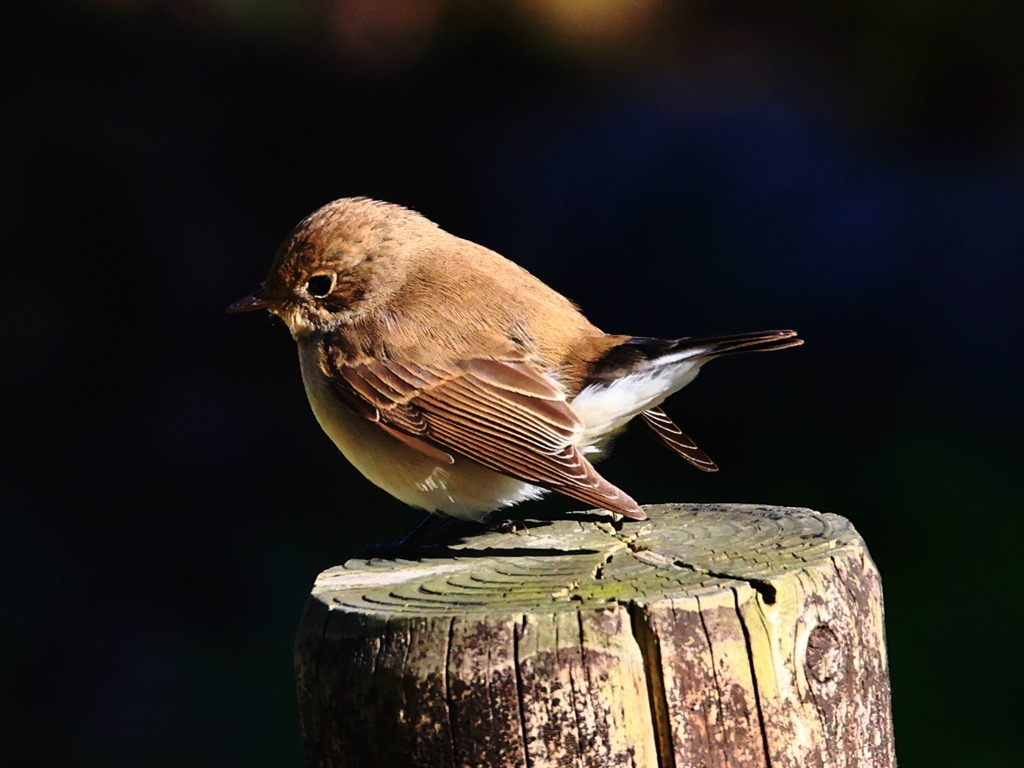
x: 606, y: 409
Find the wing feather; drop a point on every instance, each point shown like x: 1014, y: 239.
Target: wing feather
x: 541, y: 425
x: 514, y: 377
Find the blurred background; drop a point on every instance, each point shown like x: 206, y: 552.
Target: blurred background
x: 852, y: 170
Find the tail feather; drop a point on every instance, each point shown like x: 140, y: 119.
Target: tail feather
x: 672, y: 436
x: 634, y: 377
x: 638, y: 353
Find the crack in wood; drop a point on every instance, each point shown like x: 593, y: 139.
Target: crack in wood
x: 762, y: 726
x: 518, y: 663
x: 650, y: 653
x: 577, y: 743
x: 714, y: 673
x: 842, y: 578
x: 646, y: 555
x: 447, y: 687
x: 764, y: 588
x: 585, y: 747
x: 599, y: 568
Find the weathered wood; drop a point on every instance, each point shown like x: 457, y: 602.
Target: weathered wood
x: 708, y: 635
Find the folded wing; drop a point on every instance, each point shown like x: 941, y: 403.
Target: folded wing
x: 504, y: 415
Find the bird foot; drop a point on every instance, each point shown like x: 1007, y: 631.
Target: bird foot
x: 390, y: 550
x: 508, y: 526
x: 416, y: 544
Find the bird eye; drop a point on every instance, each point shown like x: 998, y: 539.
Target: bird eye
x: 319, y: 286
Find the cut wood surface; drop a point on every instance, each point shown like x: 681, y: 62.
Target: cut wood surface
x: 707, y: 635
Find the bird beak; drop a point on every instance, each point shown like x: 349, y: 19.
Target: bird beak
x: 258, y: 299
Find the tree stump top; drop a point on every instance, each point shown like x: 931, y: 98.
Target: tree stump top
x: 712, y: 635
x: 587, y: 561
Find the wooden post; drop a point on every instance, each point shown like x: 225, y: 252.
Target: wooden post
x: 708, y: 635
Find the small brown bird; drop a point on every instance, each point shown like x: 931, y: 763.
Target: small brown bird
x: 457, y: 381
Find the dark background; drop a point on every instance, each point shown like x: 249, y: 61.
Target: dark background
x: 848, y: 169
